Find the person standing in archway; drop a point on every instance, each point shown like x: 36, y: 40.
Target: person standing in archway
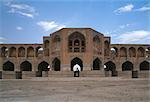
x: 76, y: 69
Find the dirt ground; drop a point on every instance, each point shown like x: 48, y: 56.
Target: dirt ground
x: 75, y: 90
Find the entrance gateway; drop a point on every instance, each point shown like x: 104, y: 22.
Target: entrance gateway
x: 77, y: 61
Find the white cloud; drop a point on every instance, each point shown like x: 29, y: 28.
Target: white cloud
x: 22, y: 9
x: 124, y: 26
x: 134, y: 36
x: 50, y: 25
x: 2, y: 40
x: 26, y: 14
x: 143, y: 9
x: 19, y: 28
x: 127, y: 8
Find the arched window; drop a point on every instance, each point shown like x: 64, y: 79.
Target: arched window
x: 26, y: 66
x: 114, y: 51
x: 132, y: 52
x: 110, y: 66
x: 30, y: 52
x: 144, y: 65
x: 127, y: 66
x: 46, y: 44
x: 56, y: 42
x: 96, y: 39
x: 123, y: 52
x: 140, y: 52
x: 46, y: 48
x: 106, y: 48
x: 4, y: 52
x: 76, y: 42
x: 39, y: 51
x: 96, y: 64
x: 21, y: 52
x: 96, y: 44
x: 8, y: 66
x: 12, y: 52
x: 56, y: 64
x: 43, y: 66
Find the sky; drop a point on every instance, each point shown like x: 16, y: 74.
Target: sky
x: 27, y: 21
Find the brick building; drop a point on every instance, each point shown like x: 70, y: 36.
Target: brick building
x: 68, y: 46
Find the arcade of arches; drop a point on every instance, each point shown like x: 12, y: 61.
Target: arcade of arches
x: 61, y: 50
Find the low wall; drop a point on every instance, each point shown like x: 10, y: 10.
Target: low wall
x: 8, y: 75
x: 60, y: 74
x: 28, y: 74
x: 125, y: 74
x: 31, y: 74
x: 144, y: 74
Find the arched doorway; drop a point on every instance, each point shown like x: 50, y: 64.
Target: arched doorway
x: 96, y: 64
x: 43, y: 66
x: 26, y: 66
x: 110, y: 66
x: 56, y: 64
x: 145, y: 65
x: 76, y: 61
x: 127, y: 66
x: 8, y: 66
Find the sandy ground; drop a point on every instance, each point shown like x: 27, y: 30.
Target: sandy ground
x: 75, y: 90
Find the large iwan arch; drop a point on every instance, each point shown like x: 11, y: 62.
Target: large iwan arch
x: 76, y: 42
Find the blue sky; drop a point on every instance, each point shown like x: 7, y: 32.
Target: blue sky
x: 27, y: 21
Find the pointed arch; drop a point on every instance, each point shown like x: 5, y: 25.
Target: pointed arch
x: 39, y: 50
x: 145, y: 65
x: 46, y: 47
x: 12, y: 52
x: 30, y: 52
x: 21, y: 52
x: 110, y: 66
x: 78, y: 61
x: 43, y: 66
x: 132, y: 52
x: 96, y: 64
x: 26, y: 66
x: 114, y: 51
x: 127, y: 66
x: 8, y: 66
x: 4, y: 51
x: 56, y: 64
x: 46, y: 44
x: 140, y: 52
x: 106, y: 48
x: 123, y: 52
x: 96, y: 39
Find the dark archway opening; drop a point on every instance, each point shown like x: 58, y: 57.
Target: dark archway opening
x: 145, y: 65
x: 76, y: 61
x: 26, y: 66
x: 110, y: 66
x: 8, y: 66
x: 43, y: 66
x: 96, y: 64
x: 56, y: 64
x: 127, y: 66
